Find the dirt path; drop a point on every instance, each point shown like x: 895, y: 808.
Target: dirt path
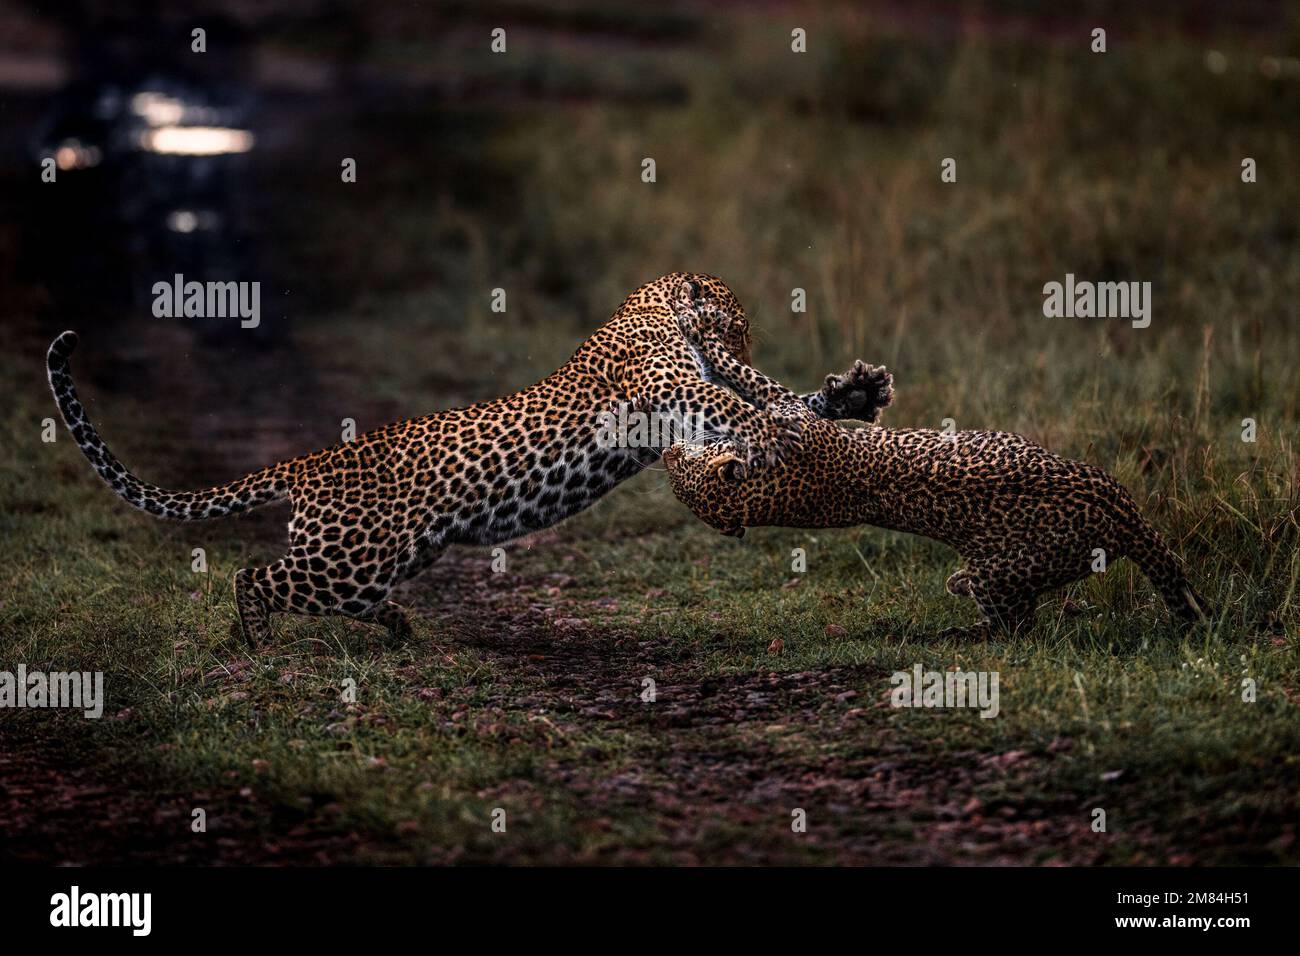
x: 747, y: 748
x: 56, y: 808
x: 711, y: 755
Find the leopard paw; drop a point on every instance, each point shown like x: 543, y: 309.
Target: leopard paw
x: 862, y: 392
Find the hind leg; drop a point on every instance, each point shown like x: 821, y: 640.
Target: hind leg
x: 362, y: 593
x: 254, y: 609
x: 1004, y: 591
x: 276, y: 588
x: 415, y: 556
x: 960, y: 584
x: 260, y: 592
x: 1006, y: 608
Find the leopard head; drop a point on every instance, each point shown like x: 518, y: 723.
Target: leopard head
x: 707, y: 489
x: 707, y: 309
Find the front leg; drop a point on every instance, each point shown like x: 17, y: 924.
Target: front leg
x: 859, y: 393
x: 707, y: 411
x: 720, y: 365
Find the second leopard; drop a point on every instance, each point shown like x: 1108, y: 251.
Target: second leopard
x: 1024, y: 520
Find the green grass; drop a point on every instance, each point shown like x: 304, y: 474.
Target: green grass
x: 521, y: 690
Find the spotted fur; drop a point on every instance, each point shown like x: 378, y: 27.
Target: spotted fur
x: 1024, y: 520
x: 370, y: 513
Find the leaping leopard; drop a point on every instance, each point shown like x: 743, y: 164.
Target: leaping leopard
x: 372, y: 512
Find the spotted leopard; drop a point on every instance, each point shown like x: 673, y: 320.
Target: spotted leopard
x: 1024, y: 520
x: 372, y: 512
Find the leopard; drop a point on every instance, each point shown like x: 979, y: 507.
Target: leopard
x: 374, y: 511
x: 1023, y: 520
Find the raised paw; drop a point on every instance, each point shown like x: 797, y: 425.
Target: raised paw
x: 862, y: 392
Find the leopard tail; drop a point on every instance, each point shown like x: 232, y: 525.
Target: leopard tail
x: 251, y: 491
x: 1164, y: 569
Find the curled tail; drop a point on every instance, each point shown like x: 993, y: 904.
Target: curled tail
x: 251, y: 491
x: 1158, y: 562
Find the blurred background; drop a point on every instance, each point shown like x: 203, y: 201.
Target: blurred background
x: 775, y: 170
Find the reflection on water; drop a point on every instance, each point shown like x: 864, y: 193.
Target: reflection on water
x: 186, y: 128
x: 171, y: 163
x: 166, y: 190
x: 196, y: 140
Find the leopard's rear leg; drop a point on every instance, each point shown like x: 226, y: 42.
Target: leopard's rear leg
x: 319, y: 577
x: 1004, y: 594
x: 255, y: 602
x: 286, y: 587
x: 281, y: 587
x: 414, y: 556
x: 251, y: 601
x: 959, y: 584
